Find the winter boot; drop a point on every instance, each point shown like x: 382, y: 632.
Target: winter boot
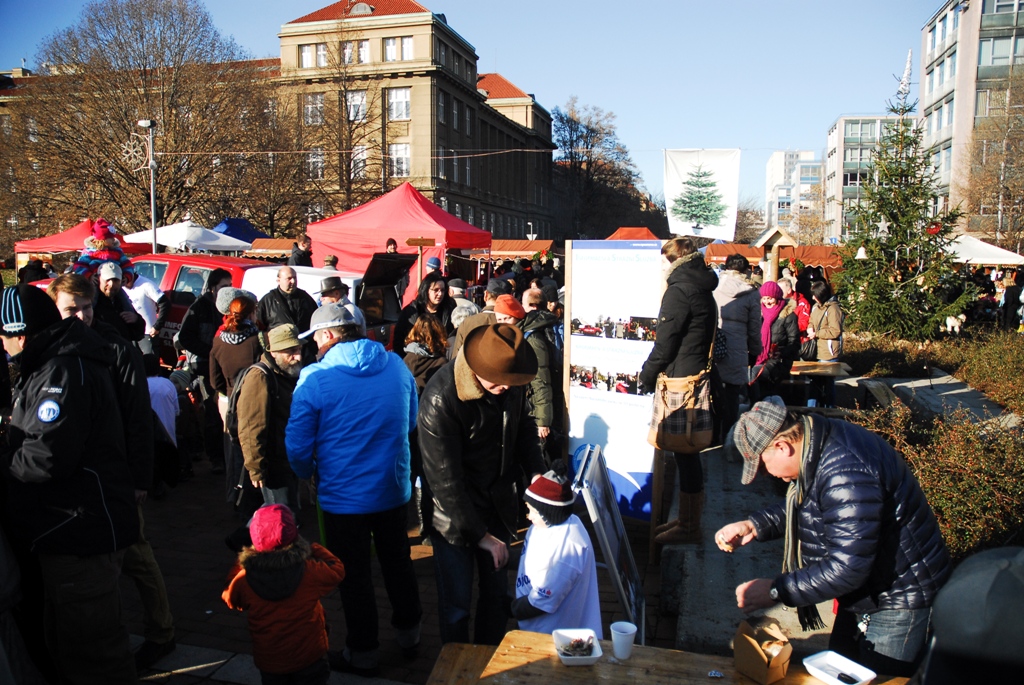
x: 687, y: 530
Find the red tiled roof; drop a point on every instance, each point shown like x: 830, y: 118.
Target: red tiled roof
x: 381, y: 8
x: 498, y: 87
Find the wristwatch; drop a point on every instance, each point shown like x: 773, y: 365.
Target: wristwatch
x: 773, y: 592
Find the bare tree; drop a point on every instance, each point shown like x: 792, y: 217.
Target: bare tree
x: 992, y: 183
x: 750, y: 222
x: 598, y: 181
x: 145, y: 59
x: 807, y: 222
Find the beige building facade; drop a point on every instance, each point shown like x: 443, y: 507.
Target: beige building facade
x: 389, y: 92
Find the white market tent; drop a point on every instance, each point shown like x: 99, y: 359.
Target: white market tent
x: 970, y: 250
x: 189, y: 236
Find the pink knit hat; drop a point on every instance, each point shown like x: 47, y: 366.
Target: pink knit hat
x: 771, y: 289
x: 101, y: 230
x: 272, y: 526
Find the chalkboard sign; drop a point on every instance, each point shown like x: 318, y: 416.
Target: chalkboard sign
x: 592, y: 480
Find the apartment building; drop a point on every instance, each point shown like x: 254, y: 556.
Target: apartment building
x: 850, y: 147
x: 790, y: 178
x: 411, y: 106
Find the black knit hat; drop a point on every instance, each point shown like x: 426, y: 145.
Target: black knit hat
x: 552, y: 497
x: 26, y: 310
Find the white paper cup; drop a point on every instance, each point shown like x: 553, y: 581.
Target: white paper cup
x: 623, y: 634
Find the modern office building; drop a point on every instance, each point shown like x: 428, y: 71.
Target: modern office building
x: 850, y: 146
x: 790, y: 177
x: 412, y: 107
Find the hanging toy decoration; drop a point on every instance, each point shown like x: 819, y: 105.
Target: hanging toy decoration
x: 934, y: 228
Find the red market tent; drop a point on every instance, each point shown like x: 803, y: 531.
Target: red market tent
x: 354, y: 236
x: 633, y: 233
x: 71, y: 240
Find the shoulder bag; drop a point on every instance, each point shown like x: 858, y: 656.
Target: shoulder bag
x: 681, y: 420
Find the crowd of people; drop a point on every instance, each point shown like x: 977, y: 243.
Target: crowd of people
x: 461, y: 420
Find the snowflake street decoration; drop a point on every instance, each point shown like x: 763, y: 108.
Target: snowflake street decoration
x: 700, y: 203
x: 134, y: 152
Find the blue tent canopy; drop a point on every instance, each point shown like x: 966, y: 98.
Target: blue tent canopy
x: 239, y: 228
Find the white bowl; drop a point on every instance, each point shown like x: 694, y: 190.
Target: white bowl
x: 564, y: 636
x: 825, y: 666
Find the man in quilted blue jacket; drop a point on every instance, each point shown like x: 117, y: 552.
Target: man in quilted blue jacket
x: 857, y: 528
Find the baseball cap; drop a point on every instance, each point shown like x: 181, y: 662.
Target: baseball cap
x: 109, y: 271
x: 330, y: 315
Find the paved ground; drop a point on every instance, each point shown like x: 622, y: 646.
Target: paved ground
x: 187, y: 530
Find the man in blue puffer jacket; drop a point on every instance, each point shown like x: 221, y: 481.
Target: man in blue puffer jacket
x: 350, y: 420
x: 857, y: 529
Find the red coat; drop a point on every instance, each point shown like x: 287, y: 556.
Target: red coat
x: 803, y: 313
x: 281, y: 590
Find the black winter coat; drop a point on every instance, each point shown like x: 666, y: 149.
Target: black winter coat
x: 411, y: 313
x: 300, y: 257
x: 867, y: 535
x: 476, y: 447
x: 686, y: 324
x: 277, y: 308
x: 198, y: 327
x: 785, y: 344
x: 70, y: 487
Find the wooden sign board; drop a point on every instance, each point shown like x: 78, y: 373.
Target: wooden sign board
x: 420, y: 242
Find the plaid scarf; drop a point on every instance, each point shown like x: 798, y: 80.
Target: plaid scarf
x: 791, y: 559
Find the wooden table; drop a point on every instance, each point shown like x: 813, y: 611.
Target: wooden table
x: 525, y: 658
x: 835, y: 369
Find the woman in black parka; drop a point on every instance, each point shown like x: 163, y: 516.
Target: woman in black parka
x: 686, y: 329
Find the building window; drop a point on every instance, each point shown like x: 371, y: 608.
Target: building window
x: 399, y: 104
x: 455, y: 166
x: 956, y: 18
x: 994, y: 52
x: 355, y: 51
x: 442, y: 98
x: 359, y: 161
x: 455, y: 114
x: 407, y: 48
x: 952, y: 65
x: 942, y: 72
x: 470, y: 215
x: 32, y: 129
x: 467, y: 180
x: 5, y: 124
x: 398, y: 160
x: 947, y: 159
x: 390, y: 49
x: 469, y: 121
x: 931, y: 81
x: 313, y: 55
x: 443, y: 55
x: 442, y: 171
x: 313, y: 109
x: 442, y: 202
x: 942, y: 29
x: 458, y: 210
x: 997, y: 6
x: 355, y: 104
x: 314, y: 212
x: 949, y: 113
x: 857, y: 154
x: 981, y: 103
x: 315, y: 164
x: 931, y: 38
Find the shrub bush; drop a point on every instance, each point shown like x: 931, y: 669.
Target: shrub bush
x: 970, y: 473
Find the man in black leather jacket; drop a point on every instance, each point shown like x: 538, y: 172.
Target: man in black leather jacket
x: 478, y: 441
x: 866, y: 534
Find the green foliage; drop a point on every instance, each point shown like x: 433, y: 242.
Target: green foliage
x: 700, y: 202
x: 970, y: 474
x: 908, y: 285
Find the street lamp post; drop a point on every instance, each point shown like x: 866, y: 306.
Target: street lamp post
x: 151, y: 125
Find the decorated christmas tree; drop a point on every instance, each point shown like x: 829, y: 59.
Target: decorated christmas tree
x: 700, y: 203
x: 903, y: 282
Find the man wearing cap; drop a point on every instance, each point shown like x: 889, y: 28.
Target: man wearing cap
x: 263, y: 407
x: 496, y: 287
x: 70, y: 496
x: 330, y: 262
x: 457, y: 291
x: 350, y: 420
x: 857, y: 529
x: 478, y: 440
x: 287, y: 303
x: 113, y: 306
x: 333, y: 289
x: 433, y: 264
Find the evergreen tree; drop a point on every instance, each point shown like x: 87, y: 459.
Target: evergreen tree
x: 907, y: 285
x: 700, y: 202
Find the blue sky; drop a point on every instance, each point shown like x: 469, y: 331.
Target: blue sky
x: 757, y: 75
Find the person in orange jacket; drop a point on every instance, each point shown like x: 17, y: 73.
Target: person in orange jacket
x: 279, y: 580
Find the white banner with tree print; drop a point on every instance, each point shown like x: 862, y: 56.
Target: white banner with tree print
x: 701, y: 192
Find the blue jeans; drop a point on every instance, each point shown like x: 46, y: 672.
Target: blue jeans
x: 453, y: 566
x: 348, y: 536
x: 893, y: 643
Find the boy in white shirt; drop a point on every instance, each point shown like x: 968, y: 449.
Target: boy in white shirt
x: 557, y: 582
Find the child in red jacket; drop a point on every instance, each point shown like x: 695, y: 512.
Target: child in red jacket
x: 279, y: 581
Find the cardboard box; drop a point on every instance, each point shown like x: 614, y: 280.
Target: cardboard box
x: 751, y: 660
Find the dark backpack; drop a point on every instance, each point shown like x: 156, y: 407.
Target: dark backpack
x: 234, y: 458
